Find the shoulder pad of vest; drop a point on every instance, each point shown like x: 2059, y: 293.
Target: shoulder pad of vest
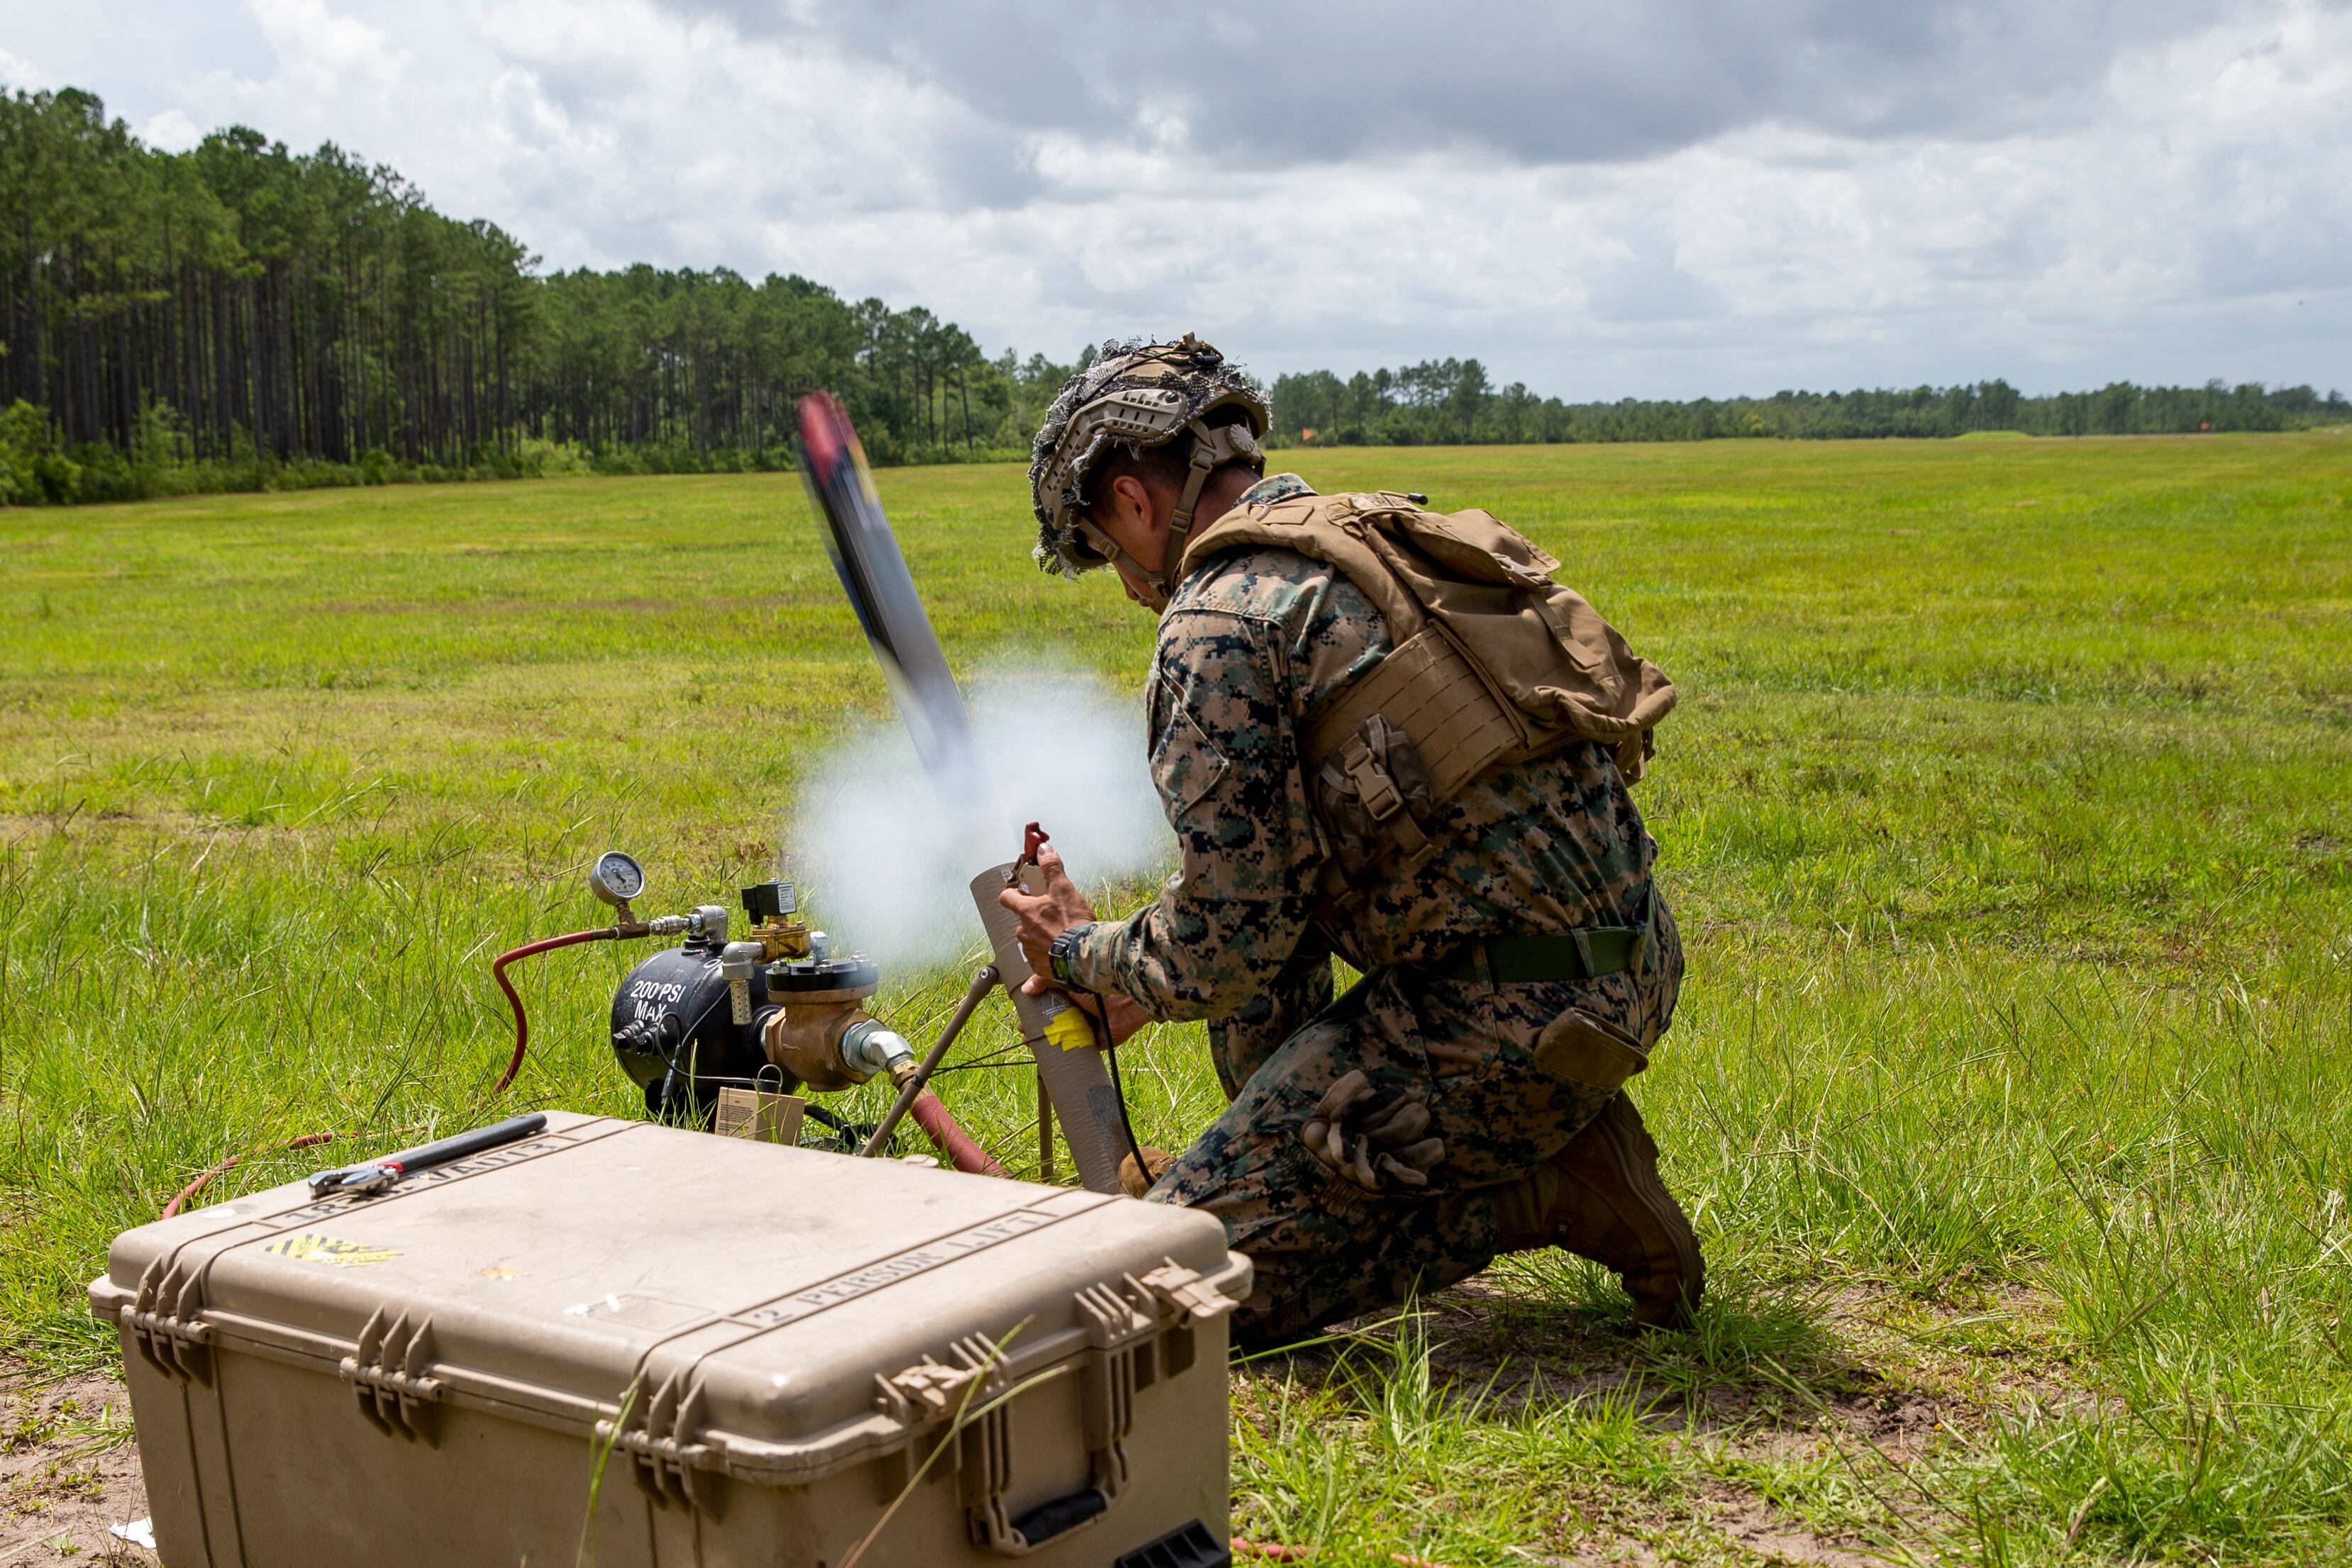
x: 1297, y: 509
x: 1294, y: 509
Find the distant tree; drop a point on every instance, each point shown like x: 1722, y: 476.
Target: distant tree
x: 242, y: 303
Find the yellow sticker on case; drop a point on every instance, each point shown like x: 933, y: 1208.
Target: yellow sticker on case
x: 312, y: 1247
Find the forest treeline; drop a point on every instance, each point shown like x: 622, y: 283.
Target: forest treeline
x: 1444, y: 401
x: 242, y: 316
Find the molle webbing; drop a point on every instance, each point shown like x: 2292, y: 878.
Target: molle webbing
x: 1538, y: 651
x: 1427, y: 689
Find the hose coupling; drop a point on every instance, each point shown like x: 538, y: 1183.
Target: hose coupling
x: 866, y: 1047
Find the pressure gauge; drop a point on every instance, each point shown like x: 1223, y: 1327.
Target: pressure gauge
x: 615, y: 878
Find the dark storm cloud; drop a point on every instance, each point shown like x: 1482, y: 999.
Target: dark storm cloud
x: 1580, y: 81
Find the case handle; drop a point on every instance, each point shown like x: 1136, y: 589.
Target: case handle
x: 1138, y: 1332
x: 1049, y: 1521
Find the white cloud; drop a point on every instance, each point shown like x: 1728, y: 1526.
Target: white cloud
x: 1709, y: 200
x: 309, y: 38
x: 171, y: 130
x: 21, y: 74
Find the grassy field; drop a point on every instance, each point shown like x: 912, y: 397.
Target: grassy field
x: 2009, y: 813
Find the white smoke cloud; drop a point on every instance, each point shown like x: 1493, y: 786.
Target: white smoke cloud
x: 886, y: 863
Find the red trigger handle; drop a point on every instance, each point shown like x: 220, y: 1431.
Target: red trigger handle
x: 1031, y: 837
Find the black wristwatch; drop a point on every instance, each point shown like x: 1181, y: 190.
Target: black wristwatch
x: 1062, y: 952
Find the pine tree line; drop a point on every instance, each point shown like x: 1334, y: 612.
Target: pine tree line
x: 1444, y: 401
x: 240, y: 309
x: 240, y: 316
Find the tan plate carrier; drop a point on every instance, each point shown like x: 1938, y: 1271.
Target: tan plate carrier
x: 626, y: 1343
x: 1491, y: 660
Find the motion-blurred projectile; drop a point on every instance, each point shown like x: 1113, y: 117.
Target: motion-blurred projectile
x: 874, y: 574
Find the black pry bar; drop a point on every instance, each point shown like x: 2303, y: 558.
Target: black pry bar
x: 377, y: 1175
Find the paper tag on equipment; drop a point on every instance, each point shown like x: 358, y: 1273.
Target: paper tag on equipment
x: 759, y: 1116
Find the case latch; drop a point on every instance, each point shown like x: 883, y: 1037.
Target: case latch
x: 668, y: 1464
x: 922, y: 1393
x: 1183, y: 1299
x: 163, y: 1322
x: 387, y: 1374
x: 1195, y: 1297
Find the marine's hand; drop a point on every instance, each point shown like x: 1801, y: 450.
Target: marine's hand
x: 1046, y: 914
x: 1126, y: 1016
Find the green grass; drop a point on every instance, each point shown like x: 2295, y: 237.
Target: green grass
x: 2009, y: 813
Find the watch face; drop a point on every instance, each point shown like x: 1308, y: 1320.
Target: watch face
x: 616, y: 877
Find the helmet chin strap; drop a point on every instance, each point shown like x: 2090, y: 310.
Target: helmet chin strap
x: 1212, y: 449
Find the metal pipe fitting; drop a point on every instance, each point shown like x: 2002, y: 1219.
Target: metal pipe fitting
x: 738, y: 962
x: 868, y: 1048
x: 910, y: 1086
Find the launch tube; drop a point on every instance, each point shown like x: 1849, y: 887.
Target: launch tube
x: 1075, y: 1081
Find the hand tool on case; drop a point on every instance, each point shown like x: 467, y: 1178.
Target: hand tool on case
x: 378, y: 1176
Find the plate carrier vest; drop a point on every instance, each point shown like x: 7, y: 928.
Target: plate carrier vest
x: 1492, y: 663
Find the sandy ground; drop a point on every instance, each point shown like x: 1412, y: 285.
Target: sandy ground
x: 69, y: 1471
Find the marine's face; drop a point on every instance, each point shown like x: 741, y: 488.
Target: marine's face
x: 1131, y: 517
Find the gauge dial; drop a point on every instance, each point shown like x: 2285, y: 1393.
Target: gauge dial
x: 615, y: 878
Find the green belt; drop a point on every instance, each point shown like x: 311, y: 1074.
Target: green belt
x: 1524, y: 960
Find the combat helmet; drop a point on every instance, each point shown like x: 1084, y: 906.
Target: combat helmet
x: 1137, y: 395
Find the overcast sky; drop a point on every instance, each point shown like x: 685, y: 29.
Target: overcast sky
x: 1598, y: 198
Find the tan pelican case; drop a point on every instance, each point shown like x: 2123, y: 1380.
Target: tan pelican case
x: 623, y: 1343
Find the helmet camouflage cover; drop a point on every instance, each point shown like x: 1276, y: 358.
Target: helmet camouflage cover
x: 1137, y: 395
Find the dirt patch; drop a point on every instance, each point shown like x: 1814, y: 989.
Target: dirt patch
x: 69, y: 1471
x: 1772, y: 1537
x: 1880, y: 1382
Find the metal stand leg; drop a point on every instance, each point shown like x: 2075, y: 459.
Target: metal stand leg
x: 980, y: 986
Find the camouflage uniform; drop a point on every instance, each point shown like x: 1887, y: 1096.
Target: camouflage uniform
x: 1251, y: 647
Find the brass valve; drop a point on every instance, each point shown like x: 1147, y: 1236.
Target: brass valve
x: 834, y: 1045
x: 819, y: 1034
x: 779, y: 938
x: 772, y: 905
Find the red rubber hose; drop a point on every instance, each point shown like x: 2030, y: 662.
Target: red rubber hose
x: 230, y: 1163
x: 522, y: 1024
x: 514, y: 1063
x: 962, y: 1153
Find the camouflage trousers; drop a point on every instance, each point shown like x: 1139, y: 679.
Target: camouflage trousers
x: 1326, y: 1248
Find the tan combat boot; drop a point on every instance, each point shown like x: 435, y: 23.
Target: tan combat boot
x: 1601, y: 1198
